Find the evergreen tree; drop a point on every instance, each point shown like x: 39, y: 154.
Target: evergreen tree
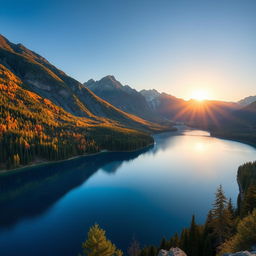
x: 231, y: 218
x: 249, y: 201
x: 208, y: 237
x: 221, y: 219
x: 152, y: 251
x: 144, y: 252
x: 231, y: 209
x: 134, y: 249
x: 245, y: 237
x: 175, y: 240
x: 193, y: 240
x: 164, y: 244
x: 184, y: 240
x: 98, y: 245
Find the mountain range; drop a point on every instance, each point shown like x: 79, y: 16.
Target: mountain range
x: 159, y: 107
x: 48, y: 115
x: 224, y: 119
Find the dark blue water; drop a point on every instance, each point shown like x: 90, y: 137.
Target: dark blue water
x: 148, y: 194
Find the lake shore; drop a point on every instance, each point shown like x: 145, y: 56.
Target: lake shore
x: 47, y: 162
x: 179, y: 131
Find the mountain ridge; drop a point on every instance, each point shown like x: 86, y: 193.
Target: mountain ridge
x: 47, y: 115
x: 41, y: 77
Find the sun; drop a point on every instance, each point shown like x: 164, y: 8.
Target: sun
x: 199, y: 95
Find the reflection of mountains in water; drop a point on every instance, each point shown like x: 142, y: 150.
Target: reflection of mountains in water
x: 32, y: 191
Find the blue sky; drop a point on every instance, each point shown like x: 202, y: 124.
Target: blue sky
x: 175, y: 46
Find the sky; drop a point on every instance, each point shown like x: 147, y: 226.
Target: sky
x: 174, y: 46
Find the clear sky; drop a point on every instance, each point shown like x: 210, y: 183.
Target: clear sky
x: 175, y: 46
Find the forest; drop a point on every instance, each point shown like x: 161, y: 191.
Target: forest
x: 33, y: 129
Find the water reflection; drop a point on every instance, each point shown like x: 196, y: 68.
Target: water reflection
x: 148, y: 194
x: 30, y: 192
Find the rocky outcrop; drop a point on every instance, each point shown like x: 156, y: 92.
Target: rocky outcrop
x: 172, y: 252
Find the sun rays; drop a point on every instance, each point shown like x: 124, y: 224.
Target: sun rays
x: 204, y: 112
x: 200, y: 95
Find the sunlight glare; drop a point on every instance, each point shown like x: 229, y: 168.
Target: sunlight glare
x: 199, y: 95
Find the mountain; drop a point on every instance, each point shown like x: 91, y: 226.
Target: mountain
x: 163, y: 104
x: 241, y: 127
x: 122, y: 97
x: 199, y: 114
x: 247, y: 101
x: 47, y: 115
x: 152, y: 98
x: 44, y: 79
x: 34, y: 129
x: 147, y: 104
x: 161, y: 107
x: 247, y: 115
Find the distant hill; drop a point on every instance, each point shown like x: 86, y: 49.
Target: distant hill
x: 247, y: 115
x: 247, y: 101
x: 241, y: 127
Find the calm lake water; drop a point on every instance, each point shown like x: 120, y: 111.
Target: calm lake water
x: 47, y: 210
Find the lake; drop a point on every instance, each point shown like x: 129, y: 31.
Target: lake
x: 147, y: 194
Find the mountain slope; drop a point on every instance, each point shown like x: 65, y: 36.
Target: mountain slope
x: 39, y: 76
x: 122, y: 97
x: 241, y: 127
x: 33, y: 128
x: 247, y: 101
x: 163, y: 104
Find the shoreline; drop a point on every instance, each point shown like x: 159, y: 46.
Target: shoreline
x: 235, y: 140
x: 175, y: 132
x: 42, y: 163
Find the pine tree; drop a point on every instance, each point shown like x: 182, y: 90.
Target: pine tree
x: 134, y: 249
x: 208, y: 237
x: 184, y: 240
x: 98, y: 245
x: 231, y: 209
x: 193, y: 240
x: 152, y: 251
x: 231, y: 218
x: 164, y: 244
x: 175, y: 241
x: 245, y: 237
x: 221, y: 218
x: 249, y: 201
